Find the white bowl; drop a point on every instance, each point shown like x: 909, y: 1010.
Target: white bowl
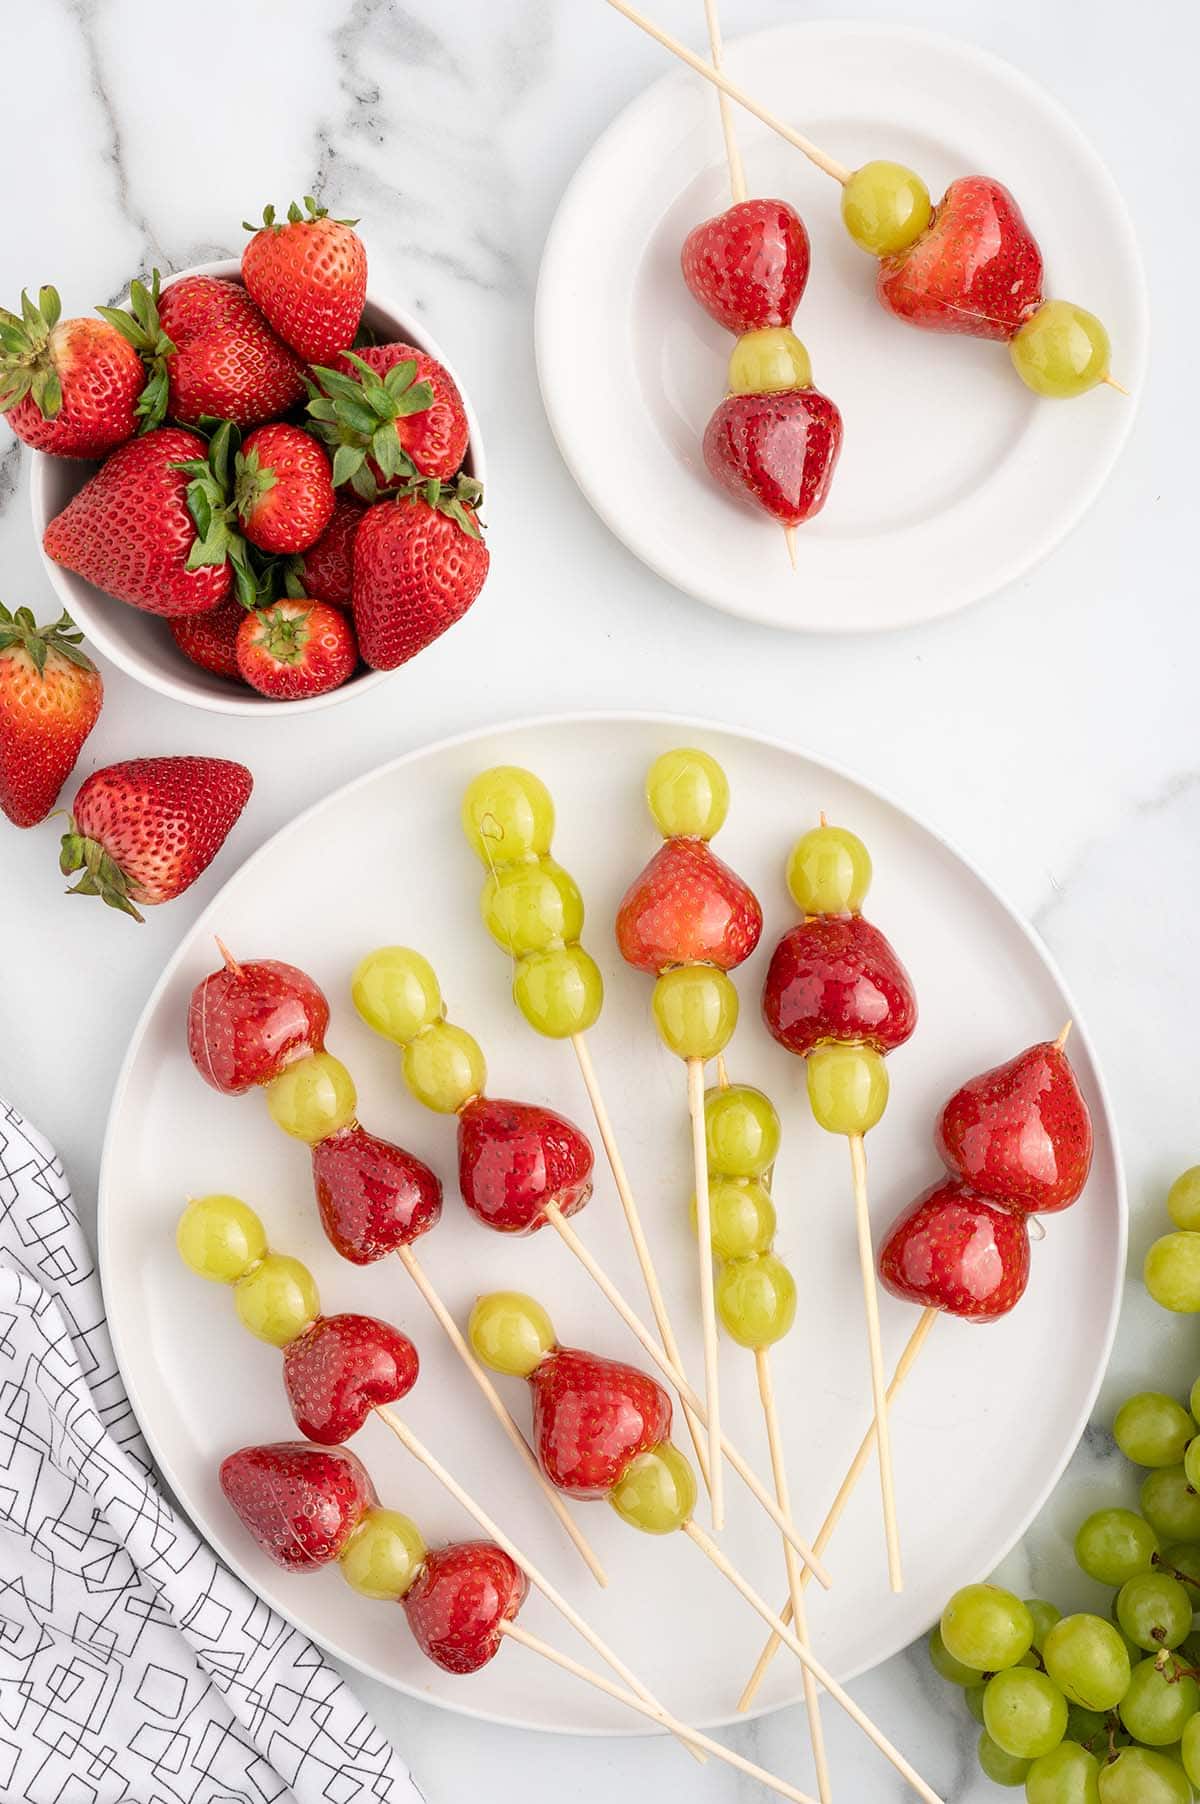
x: 140, y: 643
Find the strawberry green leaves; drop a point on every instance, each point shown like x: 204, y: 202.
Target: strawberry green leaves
x: 26, y: 362
x: 210, y: 501
x: 22, y: 631
x: 140, y: 327
x: 102, y: 875
x: 295, y: 217
x: 356, y: 416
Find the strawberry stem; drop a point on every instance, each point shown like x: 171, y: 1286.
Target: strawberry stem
x: 102, y: 875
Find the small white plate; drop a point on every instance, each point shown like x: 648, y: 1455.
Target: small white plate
x: 954, y: 479
x: 384, y: 861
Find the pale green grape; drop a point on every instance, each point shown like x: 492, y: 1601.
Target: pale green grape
x: 220, y: 1238
x: 688, y: 794
x: 767, y: 361
x: 741, y: 1131
x: 847, y: 1087
x: 1024, y: 1712
x: 1191, y: 1462
x: 742, y: 1216
x: 383, y: 1556
x: 531, y: 907
x: 1044, y: 1618
x: 1001, y: 1768
x: 1154, y: 1611
x: 1171, y: 1505
x: 1061, y: 351
x: 1086, y: 1658
x: 1194, y: 1399
x: 1190, y: 1749
x: 1159, y: 1703
x: 986, y: 1628
x: 396, y: 992
x: 973, y: 1696
x: 829, y: 872
x: 1153, y: 1430
x: 696, y: 1010
x: 656, y: 1492
x: 885, y: 207
x: 560, y: 992
x: 444, y: 1067
x: 313, y: 1098
x: 277, y: 1299
x: 1142, y: 1776
x: 947, y: 1667
x: 756, y: 1300
x: 1172, y: 1272
x: 1068, y: 1774
x: 1184, y: 1559
x: 1183, y: 1199
x: 1114, y: 1544
x: 510, y: 1332
x: 507, y: 815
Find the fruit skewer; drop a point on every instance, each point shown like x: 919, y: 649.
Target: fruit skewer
x: 688, y: 920
x: 521, y: 1167
x: 262, y: 1024
x: 602, y: 1430
x: 533, y: 910
x: 993, y: 290
x: 1028, y: 1149
x: 837, y: 996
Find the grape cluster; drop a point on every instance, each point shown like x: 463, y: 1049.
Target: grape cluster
x: 1077, y: 1709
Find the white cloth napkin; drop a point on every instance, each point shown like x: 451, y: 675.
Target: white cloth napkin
x: 134, y: 1668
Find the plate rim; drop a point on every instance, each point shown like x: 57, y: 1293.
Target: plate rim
x: 693, y: 724
x: 1015, y: 568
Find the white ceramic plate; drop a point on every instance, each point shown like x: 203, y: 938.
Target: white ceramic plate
x: 383, y: 862
x: 954, y: 479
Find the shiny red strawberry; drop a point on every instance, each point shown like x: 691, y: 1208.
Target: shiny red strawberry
x: 459, y: 1599
x: 1021, y: 1134
x: 955, y: 1251
x: 296, y: 649
x: 373, y: 1196
x: 301, y: 1503
x: 591, y: 1416
x: 340, y: 1369
x: 325, y: 570
x: 309, y: 276
x: 748, y: 267
x: 687, y: 908
x: 776, y: 452
x: 418, y: 566
x: 976, y: 268
x: 514, y: 1158
x: 210, y: 639
x: 68, y: 387
x: 835, y: 977
x: 283, y: 489
x: 248, y: 1022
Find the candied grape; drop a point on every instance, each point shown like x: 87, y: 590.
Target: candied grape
x: 768, y: 361
x: 1001, y: 1768
x: 741, y: 1128
x: 696, y: 1010
x: 444, y: 1067
x: 313, y: 1098
x: 510, y: 1332
x: 560, y: 992
x: 656, y: 1492
x: 396, y: 992
x: 1172, y: 1272
x: 220, y: 1237
x: 847, y: 1087
x: 1171, y: 1505
x: 1154, y: 1611
x: 688, y: 794
x: 829, y: 872
x: 1044, y: 1618
x: 1086, y: 1658
x: 507, y: 815
x: 1113, y: 1545
x: 1068, y: 1774
x: 531, y: 907
x: 1152, y: 1429
x: 756, y: 1300
x: 1024, y: 1712
x: 1061, y: 351
x: 384, y: 1555
x: 1159, y: 1703
x: 946, y: 1666
x: 742, y: 1216
x: 278, y: 1299
x: 885, y: 207
x: 1183, y: 1199
x: 1143, y: 1776
x: 986, y: 1628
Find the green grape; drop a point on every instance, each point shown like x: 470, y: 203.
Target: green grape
x: 1190, y: 1749
x: 396, y: 992
x: 1061, y: 351
x: 829, y: 872
x: 508, y: 815
x: 688, y: 794
x: 1189, y: 1649
x: 444, y: 1067
x: 1154, y: 1611
x: 885, y: 207
x: 531, y: 907
x: 1088, y: 1727
x: 656, y: 1492
x: 1001, y: 1768
x: 756, y: 1300
x: 1191, y: 1462
x: 1171, y: 1505
x: 986, y: 1628
x: 1194, y: 1399
x: 1044, y: 1618
x: 1183, y: 1199
x: 1172, y: 1272
x: 1024, y: 1712
x: 560, y: 992
x: 220, y: 1237
x: 1142, y: 1776
x: 847, y: 1087
x: 973, y: 1697
x: 313, y: 1098
x: 383, y: 1556
x: 741, y: 1131
x: 1113, y: 1545
x: 1068, y: 1774
x: 946, y: 1666
x: 764, y: 362
x: 742, y: 1216
x: 1153, y: 1430
x: 510, y: 1332
x: 1184, y: 1561
x: 696, y: 1009
x: 1086, y: 1658
x: 277, y: 1299
x: 1159, y: 1703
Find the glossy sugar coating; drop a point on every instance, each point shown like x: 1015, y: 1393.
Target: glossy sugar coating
x: 687, y: 907
x: 756, y: 1300
x: 837, y: 978
x: 748, y: 266
x: 459, y: 1599
x: 755, y: 1292
x: 956, y: 1251
x: 1061, y: 351
x: 373, y: 1196
x: 768, y: 362
x: 1021, y: 1133
x: 828, y: 871
x: 847, y: 1086
x: 695, y: 1010
x: 976, y: 269
x: 657, y: 1491
x: 741, y: 1131
x: 510, y: 1332
x: 742, y: 1216
x: 383, y: 1555
x: 248, y: 1022
x: 313, y: 1098
x: 885, y: 207
x: 529, y: 907
x: 220, y: 1238
x: 277, y: 1300
x: 591, y: 1417
x: 397, y: 993
x: 300, y: 1503
x: 687, y: 794
x: 341, y: 1368
x: 775, y: 452
x: 515, y: 1158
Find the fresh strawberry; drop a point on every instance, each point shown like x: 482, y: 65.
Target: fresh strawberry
x: 975, y: 269
x: 295, y: 649
x: 210, y: 639
x: 373, y: 1197
x: 67, y: 386
x: 389, y: 413
x: 340, y: 1369
x: 309, y: 277
x: 955, y: 1251
x: 248, y: 1022
x: 325, y: 572
x: 419, y: 563
x: 1021, y: 1133
x: 144, y: 831
x: 50, y: 695
x: 514, y: 1158
x: 282, y: 489
x: 687, y: 908
x: 130, y: 532
x: 301, y: 1503
x: 591, y: 1416
x: 835, y: 977
x: 210, y: 353
x: 776, y: 452
x: 748, y: 267
x: 456, y: 1604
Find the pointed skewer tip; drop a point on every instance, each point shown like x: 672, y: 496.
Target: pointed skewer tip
x: 1064, y: 1036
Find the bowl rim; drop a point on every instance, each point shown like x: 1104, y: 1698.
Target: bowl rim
x: 110, y: 644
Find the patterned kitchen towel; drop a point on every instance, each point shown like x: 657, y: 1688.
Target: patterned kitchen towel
x: 134, y: 1669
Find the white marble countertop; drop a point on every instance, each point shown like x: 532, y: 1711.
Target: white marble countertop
x: 1050, y: 731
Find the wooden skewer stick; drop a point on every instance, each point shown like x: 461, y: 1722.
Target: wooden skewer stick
x: 712, y: 1552
x: 708, y: 1304
x: 641, y: 1246
x: 515, y: 1632
x: 866, y: 1260
x: 497, y: 1406
x: 807, y: 148
x: 675, y: 1377
x: 836, y: 1509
